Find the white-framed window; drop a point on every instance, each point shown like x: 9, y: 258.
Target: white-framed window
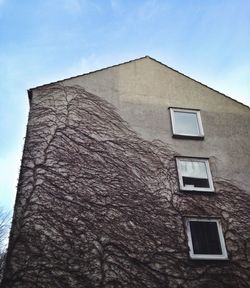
x: 205, y: 239
x: 194, y: 174
x: 186, y: 123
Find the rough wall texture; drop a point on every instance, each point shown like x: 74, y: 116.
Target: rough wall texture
x: 99, y: 206
x: 144, y: 89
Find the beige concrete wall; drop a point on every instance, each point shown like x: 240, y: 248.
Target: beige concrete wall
x: 144, y: 89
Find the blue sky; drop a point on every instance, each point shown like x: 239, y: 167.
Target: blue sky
x: 46, y: 40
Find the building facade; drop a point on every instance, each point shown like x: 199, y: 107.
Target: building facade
x: 132, y: 176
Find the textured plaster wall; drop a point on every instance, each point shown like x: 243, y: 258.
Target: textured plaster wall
x: 143, y: 91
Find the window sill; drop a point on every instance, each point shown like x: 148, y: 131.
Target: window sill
x: 211, y: 258
x: 188, y: 137
x: 197, y: 191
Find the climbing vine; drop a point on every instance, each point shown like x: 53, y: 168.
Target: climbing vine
x: 98, y: 206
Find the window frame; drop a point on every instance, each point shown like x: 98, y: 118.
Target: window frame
x: 223, y: 256
x: 209, y: 174
x: 181, y: 135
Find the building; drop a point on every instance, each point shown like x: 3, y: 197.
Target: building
x: 132, y: 176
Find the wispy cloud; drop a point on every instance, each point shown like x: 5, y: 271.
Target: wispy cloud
x: 72, y: 6
x: 238, y: 77
x: 117, y: 6
x: 149, y: 9
x: 94, y: 62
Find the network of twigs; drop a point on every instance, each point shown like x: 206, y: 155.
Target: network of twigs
x: 98, y: 206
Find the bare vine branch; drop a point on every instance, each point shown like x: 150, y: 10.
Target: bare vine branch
x: 4, y: 227
x: 98, y: 206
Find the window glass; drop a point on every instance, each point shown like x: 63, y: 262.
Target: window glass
x: 194, y: 174
x: 186, y: 123
x: 205, y: 238
x: 195, y: 169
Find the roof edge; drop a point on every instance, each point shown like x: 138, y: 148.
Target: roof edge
x: 198, y: 82
x: 94, y: 71
x: 126, y: 62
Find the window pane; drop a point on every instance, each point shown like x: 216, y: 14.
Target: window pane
x: 195, y: 182
x: 205, y: 238
x: 194, y: 174
x: 186, y: 123
x: 194, y: 169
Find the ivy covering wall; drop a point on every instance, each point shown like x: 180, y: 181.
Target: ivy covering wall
x: 98, y: 206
